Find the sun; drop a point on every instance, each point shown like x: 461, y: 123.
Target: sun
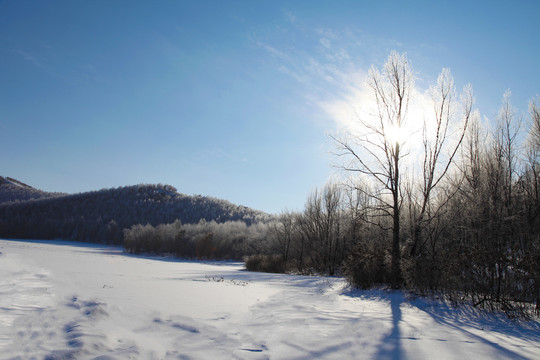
x: 357, y: 114
x: 396, y: 134
x: 409, y: 133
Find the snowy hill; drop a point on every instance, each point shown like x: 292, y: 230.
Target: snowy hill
x: 100, y: 216
x: 15, y: 190
x: 82, y: 301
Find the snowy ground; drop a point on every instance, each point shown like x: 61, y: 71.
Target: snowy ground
x: 61, y: 300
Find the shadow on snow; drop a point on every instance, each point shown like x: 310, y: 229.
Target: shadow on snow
x: 458, y: 318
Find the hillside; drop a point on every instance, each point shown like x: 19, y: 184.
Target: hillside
x: 100, y: 216
x: 14, y: 190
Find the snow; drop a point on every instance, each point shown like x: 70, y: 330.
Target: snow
x: 61, y: 300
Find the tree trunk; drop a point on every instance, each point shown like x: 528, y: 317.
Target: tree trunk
x: 396, y: 250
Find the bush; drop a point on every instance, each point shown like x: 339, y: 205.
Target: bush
x: 367, y: 265
x: 265, y: 263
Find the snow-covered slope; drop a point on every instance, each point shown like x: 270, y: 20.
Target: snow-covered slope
x: 70, y: 300
x: 100, y: 216
x: 14, y: 190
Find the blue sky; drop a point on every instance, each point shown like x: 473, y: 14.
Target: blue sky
x: 226, y: 98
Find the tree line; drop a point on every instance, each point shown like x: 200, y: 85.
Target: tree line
x: 203, y: 240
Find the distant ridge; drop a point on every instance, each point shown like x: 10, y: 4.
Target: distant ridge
x: 100, y: 216
x: 9, y: 180
x: 15, y: 190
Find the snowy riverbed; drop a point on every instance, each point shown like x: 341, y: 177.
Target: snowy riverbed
x: 62, y: 300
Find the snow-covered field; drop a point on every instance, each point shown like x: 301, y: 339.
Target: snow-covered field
x: 61, y: 300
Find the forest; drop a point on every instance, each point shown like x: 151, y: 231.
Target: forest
x: 100, y: 216
x: 454, y: 209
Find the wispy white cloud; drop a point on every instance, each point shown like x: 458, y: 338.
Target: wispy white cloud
x: 290, y: 17
x: 228, y: 155
x: 272, y: 50
x: 326, y: 74
x: 42, y: 58
x: 330, y: 64
x: 327, y: 43
x: 30, y: 58
x: 331, y: 68
x: 301, y: 78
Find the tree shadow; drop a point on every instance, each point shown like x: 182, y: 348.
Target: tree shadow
x: 467, y: 315
x: 461, y: 318
x: 391, y: 344
x: 457, y: 322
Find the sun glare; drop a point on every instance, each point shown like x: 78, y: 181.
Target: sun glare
x: 408, y: 134
x: 396, y: 135
x: 357, y: 118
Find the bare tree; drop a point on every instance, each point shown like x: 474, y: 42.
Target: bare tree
x: 531, y: 183
x: 321, y: 227
x: 376, y: 152
x: 534, y: 133
x: 332, y: 231
x: 443, y: 133
x: 533, y: 150
x: 283, y: 231
x: 508, y: 127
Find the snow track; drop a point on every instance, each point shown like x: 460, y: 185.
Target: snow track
x: 62, y: 300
